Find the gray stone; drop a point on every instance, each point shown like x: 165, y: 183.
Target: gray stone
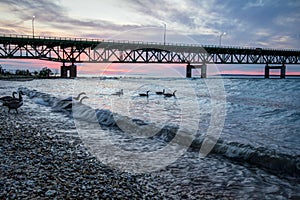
x: 50, y: 193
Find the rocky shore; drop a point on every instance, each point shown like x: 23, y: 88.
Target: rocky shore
x: 36, y: 165
x: 42, y: 157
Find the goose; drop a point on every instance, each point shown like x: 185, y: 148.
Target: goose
x: 8, y: 98
x: 161, y: 93
x: 66, y: 103
x: 76, y: 98
x: 145, y: 94
x: 119, y: 93
x: 70, y: 105
x: 170, y: 94
x: 14, y: 103
x: 20, y: 96
x: 85, y: 97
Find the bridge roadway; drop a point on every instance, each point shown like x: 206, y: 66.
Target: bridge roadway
x: 77, y: 50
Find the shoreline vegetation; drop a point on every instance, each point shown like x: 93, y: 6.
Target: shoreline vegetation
x: 26, y: 75
x: 25, y: 78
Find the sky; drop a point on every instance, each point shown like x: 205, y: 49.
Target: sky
x: 250, y: 23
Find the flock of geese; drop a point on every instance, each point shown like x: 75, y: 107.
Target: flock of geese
x: 158, y: 93
x: 12, y: 102
x: 146, y: 94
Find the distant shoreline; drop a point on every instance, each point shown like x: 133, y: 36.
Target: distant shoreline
x: 24, y: 78
x: 253, y: 75
x: 226, y: 76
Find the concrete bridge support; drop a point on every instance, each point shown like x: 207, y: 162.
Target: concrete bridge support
x: 188, y: 71
x: 68, y: 71
x: 203, y: 68
x: 281, y: 67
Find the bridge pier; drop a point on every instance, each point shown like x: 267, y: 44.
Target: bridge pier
x: 71, y: 69
x: 204, y: 71
x: 281, y: 67
x: 188, y: 71
x: 203, y: 68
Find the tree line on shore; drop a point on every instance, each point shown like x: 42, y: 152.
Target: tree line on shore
x: 45, y: 72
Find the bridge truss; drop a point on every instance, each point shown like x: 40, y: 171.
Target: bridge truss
x: 77, y: 50
x: 83, y: 50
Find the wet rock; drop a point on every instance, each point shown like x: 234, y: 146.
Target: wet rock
x: 38, y: 165
x: 50, y: 193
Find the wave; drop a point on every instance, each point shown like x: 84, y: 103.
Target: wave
x: 261, y: 157
x: 74, y: 108
x: 258, y: 156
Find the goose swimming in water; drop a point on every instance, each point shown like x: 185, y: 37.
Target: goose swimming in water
x: 8, y: 98
x: 14, y: 103
x: 119, y: 93
x: 170, y: 94
x: 85, y: 97
x: 145, y: 94
x: 76, y: 98
x: 161, y: 93
x: 70, y: 105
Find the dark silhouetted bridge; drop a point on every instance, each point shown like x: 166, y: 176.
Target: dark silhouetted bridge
x: 77, y: 50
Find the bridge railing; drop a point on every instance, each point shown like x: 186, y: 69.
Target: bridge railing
x: 138, y: 42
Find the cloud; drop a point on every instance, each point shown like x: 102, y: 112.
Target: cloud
x: 252, y: 4
x: 177, y: 14
x: 54, y: 17
x: 288, y: 19
x: 248, y: 23
x: 204, y: 20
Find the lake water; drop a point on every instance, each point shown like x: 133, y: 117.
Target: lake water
x: 250, y: 128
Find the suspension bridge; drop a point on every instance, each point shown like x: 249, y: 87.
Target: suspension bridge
x: 70, y: 51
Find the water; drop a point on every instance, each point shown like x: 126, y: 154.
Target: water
x: 257, y: 153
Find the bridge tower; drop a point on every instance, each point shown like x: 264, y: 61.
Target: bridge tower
x: 68, y: 71
x: 281, y: 67
x: 203, y: 68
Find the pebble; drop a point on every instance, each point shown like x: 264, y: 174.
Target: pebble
x: 36, y: 165
x: 50, y: 193
x: 42, y: 157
